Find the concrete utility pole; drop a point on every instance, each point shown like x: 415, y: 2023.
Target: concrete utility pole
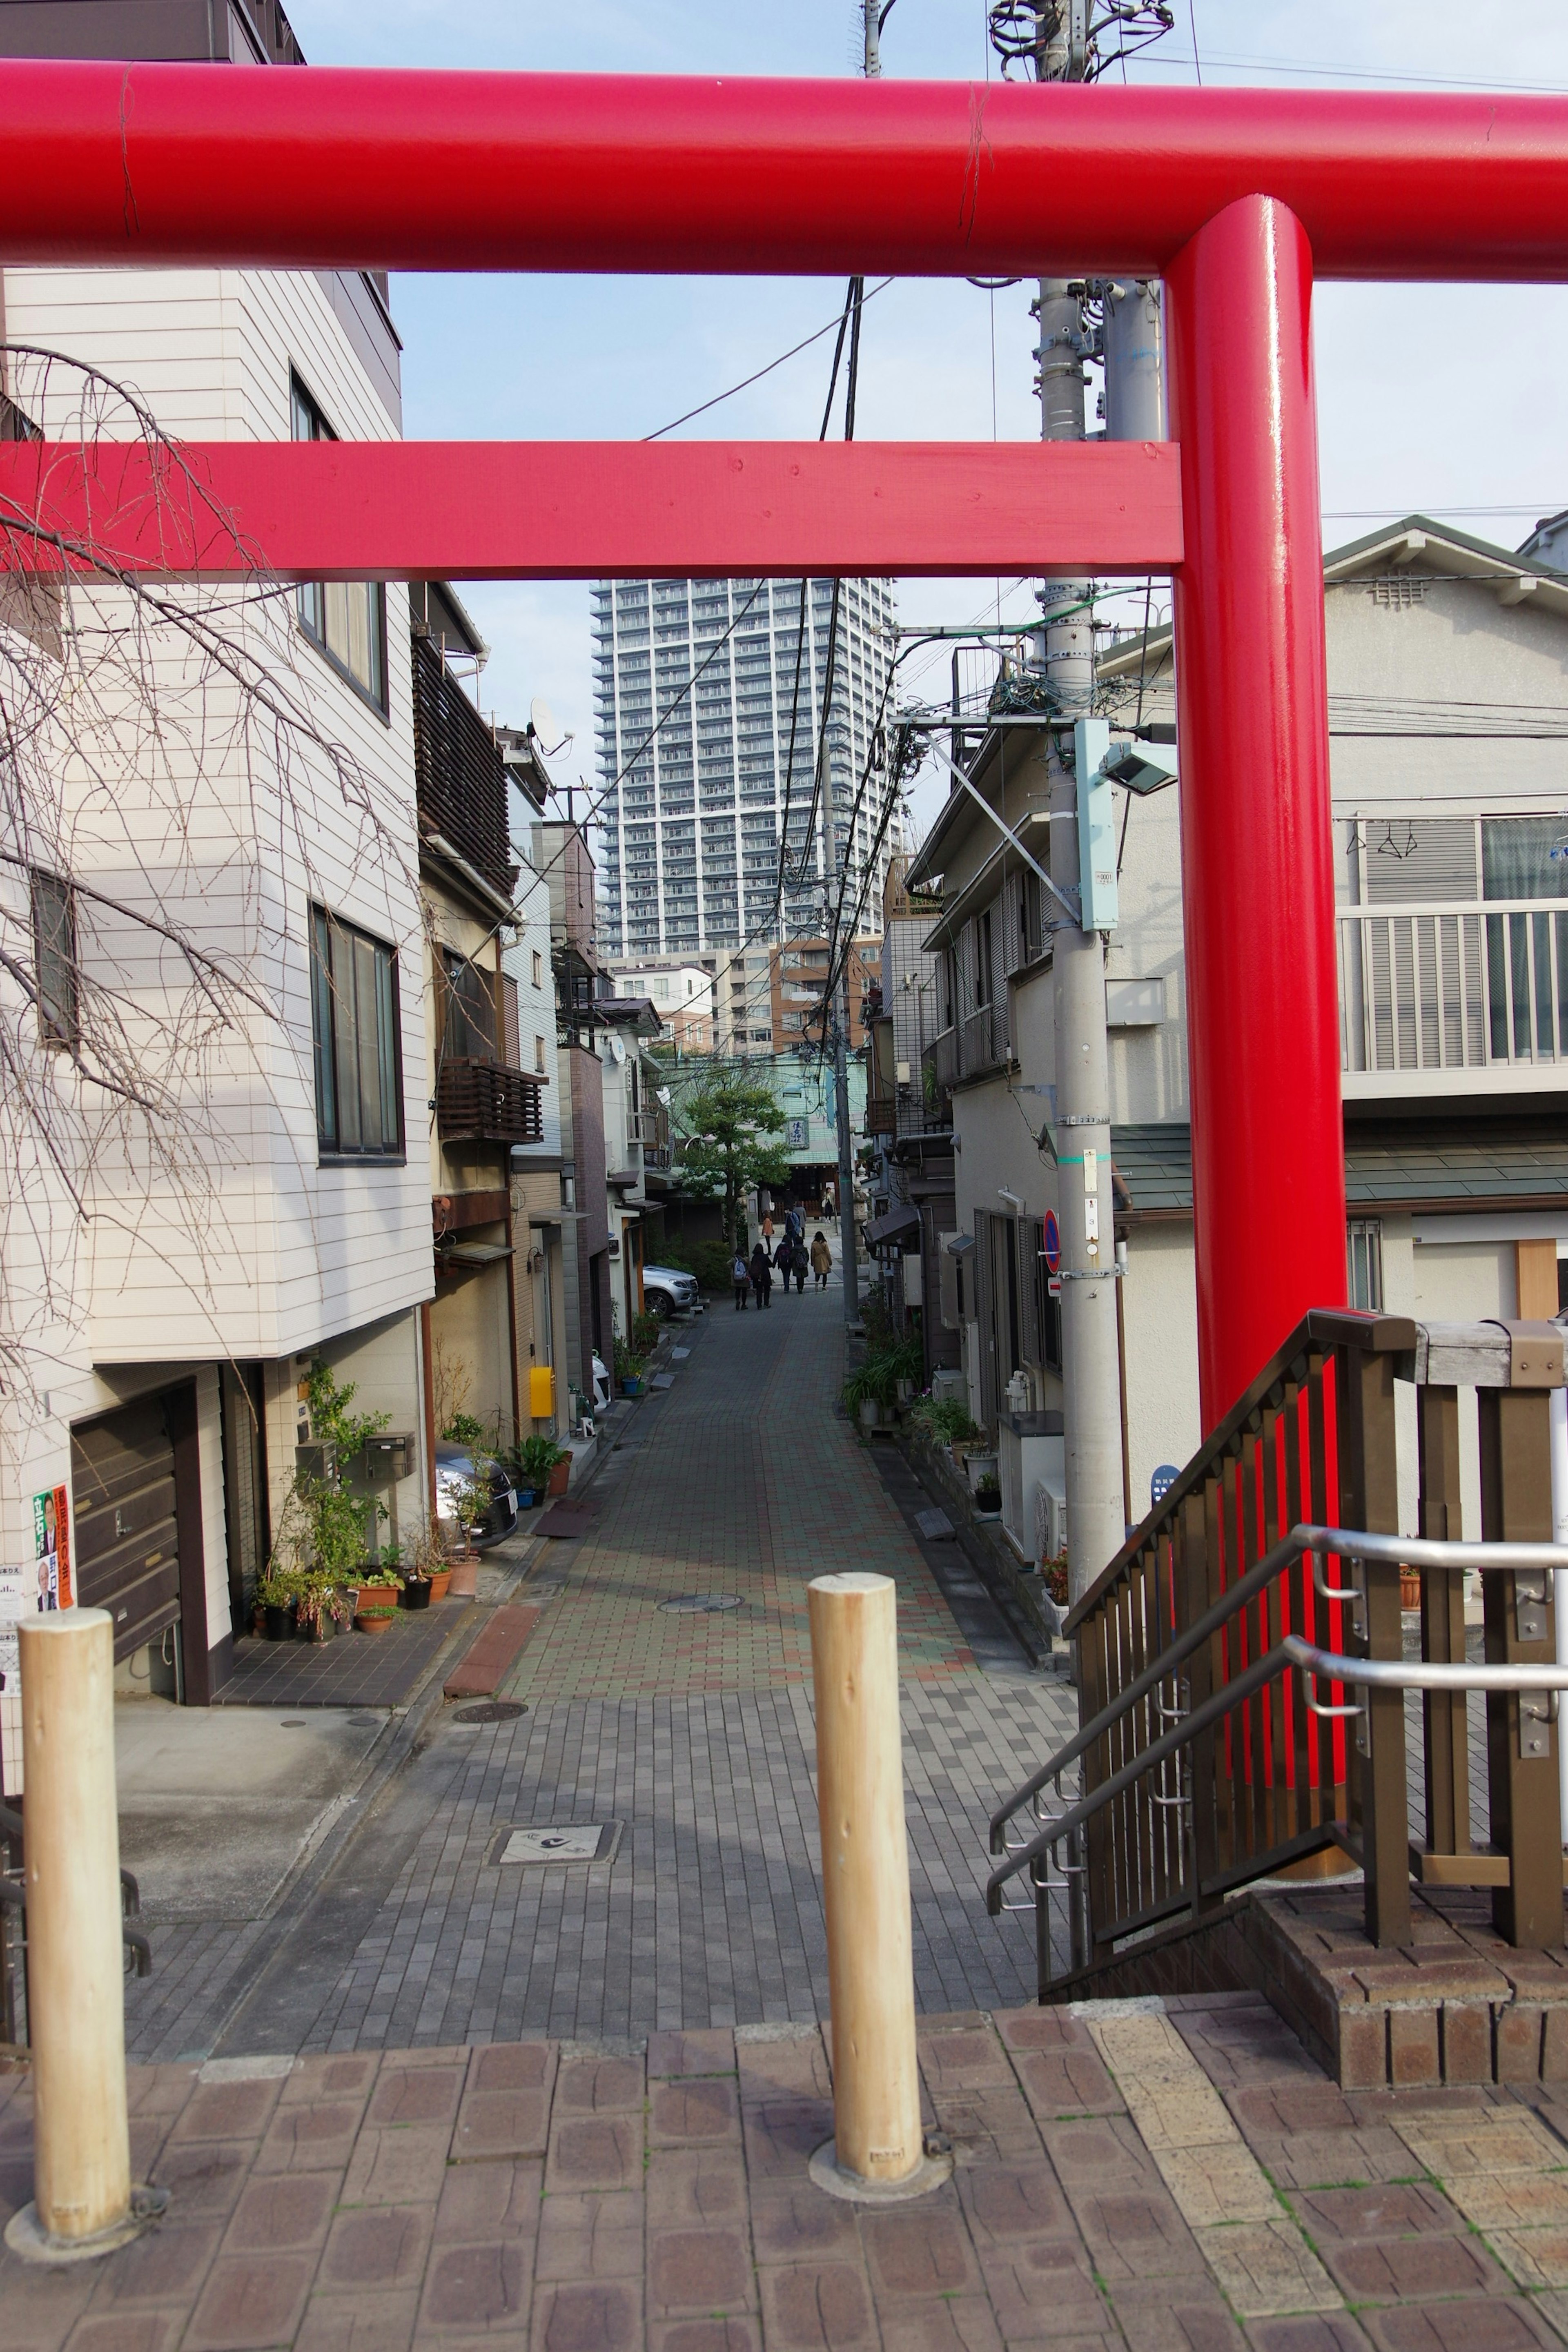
x: 1092, y: 1398
x: 835, y: 891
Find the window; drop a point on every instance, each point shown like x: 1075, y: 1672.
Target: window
x: 468, y: 1025
x: 355, y: 1022
x: 1365, y: 1264
x: 55, y: 960
x: 538, y: 969
x: 539, y: 1053
x: 346, y: 618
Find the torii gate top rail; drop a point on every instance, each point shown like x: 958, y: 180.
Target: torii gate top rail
x: 413, y: 170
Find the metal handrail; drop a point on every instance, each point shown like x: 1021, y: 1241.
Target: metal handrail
x: 1410, y: 1552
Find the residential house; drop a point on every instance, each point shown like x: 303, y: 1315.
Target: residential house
x: 909, y: 1122
x: 171, y: 1278
x: 636, y: 1146
x: 483, y: 1101
x: 1447, y: 668
x: 562, y: 857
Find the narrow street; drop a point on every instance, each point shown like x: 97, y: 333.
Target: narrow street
x: 685, y: 1736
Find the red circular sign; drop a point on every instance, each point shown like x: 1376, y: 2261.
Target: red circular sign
x: 1051, y: 1242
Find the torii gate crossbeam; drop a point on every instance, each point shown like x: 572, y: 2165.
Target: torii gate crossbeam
x: 1231, y: 197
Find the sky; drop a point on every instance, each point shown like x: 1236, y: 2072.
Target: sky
x: 1445, y: 400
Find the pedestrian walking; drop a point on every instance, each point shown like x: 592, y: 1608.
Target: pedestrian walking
x: 800, y: 1266
x: 761, y: 1277
x: 794, y: 1222
x: 821, y: 1258
x: 741, y: 1276
x: 827, y: 1201
x: 782, y: 1258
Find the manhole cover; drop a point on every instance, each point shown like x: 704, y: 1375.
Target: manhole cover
x: 556, y: 1842
x: 699, y: 1604
x: 491, y: 1710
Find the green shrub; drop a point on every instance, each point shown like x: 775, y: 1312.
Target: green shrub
x: 946, y: 1420
x: 464, y: 1429
x: 628, y: 1363
x: 644, y: 1333
x: 531, y: 1464
x: 880, y: 1373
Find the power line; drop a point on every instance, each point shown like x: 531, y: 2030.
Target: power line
x: 747, y: 381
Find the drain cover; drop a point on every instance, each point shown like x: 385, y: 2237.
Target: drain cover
x: 491, y: 1710
x: 699, y: 1604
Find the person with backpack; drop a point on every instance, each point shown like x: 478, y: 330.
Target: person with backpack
x: 799, y: 1265
x: 821, y: 1258
x: 741, y: 1276
x: 794, y: 1222
x: 782, y: 1256
x: 761, y: 1275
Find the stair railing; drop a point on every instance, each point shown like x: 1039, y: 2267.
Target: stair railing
x: 1269, y: 1632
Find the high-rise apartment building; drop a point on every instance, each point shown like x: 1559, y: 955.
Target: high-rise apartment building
x: 734, y: 673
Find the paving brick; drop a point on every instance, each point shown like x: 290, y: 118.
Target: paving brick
x: 1391, y: 2269
x: 781, y: 2137
x: 1185, y: 2316
x: 597, y: 2235
x: 250, y: 2302
x: 1264, y: 2267
x: 699, y: 2270
x: 1068, y: 2082
x: 500, y: 2123
x: 710, y: 2051
x: 605, y: 2318
x: 817, y: 2307
x: 961, y: 2060
x: 1329, y: 2331
x: 490, y: 2201
x: 594, y: 2152
x: 397, y: 2168
x: 1135, y: 2235
x: 229, y: 2111
x: 358, y: 2322
x: 39, y: 2308
x: 1413, y: 2057
x: 1044, y: 2289
x: 957, y: 2324
x: 1402, y: 2210
x: 285, y: 2212
x: 163, y: 2266
x: 1484, y: 2324
x: 377, y: 2249
x: 126, y: 2331
x: 729, y: 2335
x: 206, y: 2176
x: 1329, y: 2159
x: 794, y: 2222
x: 476, y: 2290
x: 1008, y: 2203
x: 311, y: 2138
x: 347, y: 2075
x: 599, y: 2086
x: 694, y: 2187
x: 687, y: 2111
x: 416, y: 2095
x: 919, y: 2253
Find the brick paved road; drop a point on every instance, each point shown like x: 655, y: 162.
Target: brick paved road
x: 694, y: 1734
x: 1132, y: 2177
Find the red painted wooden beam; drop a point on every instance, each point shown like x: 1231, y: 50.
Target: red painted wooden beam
x: 416, y: 170
x: 585, y: 509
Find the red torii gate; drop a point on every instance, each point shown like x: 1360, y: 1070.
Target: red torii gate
x: 1232, y: 197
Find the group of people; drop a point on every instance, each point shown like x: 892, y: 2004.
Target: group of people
x: 788, y: 1259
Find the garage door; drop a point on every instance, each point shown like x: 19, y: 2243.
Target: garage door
x: 122, y: 1479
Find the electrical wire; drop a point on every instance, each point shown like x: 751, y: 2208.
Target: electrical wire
x: 747, y: 381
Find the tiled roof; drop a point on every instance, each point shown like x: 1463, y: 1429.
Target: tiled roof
x: 1456, y: 1163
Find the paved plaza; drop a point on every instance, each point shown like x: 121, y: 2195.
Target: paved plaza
x: 1175, y: 2178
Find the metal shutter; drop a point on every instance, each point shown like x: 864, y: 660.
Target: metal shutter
x: 127, y: 1561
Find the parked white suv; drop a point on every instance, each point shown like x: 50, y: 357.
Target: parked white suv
x: 667, y: 1290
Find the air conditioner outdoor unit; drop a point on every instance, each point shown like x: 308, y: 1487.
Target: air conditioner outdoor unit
x: 949, y: 1383
x: 1050, y: 1518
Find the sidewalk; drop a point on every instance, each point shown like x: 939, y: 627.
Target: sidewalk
x: 1177, y: 2179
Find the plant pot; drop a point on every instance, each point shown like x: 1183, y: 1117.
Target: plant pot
x: 870, y: 1413
x: 631, y: 1388
x: 278, y: 1624
x: 980, y: 1467
x: 906, y: 1391
x: 417, y: 1592
x: 465, y: 1574
x: 526, y: 1498
x: 559, y: 1478
x: 1409, y: 1592
x: 374, y: 1621
x: 321, y: 1631
x: 440, y: 1582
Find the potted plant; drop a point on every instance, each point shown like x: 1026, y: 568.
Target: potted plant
x: 377, y: 1600
x: 987, y: 1499
x: 535, y: 1464
x: 275, y: 1594
x: 629, y: 1369
x: 321, y: 1606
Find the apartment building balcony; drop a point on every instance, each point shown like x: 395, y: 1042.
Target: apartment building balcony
x: 487, y: 1102
x: 1446, y: 998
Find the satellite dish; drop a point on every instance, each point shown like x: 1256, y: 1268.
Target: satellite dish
x: 543, y: 725
x: 617, y: 1047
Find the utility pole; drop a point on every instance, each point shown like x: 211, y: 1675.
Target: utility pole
x: 835, y: 890
x: 1090, y: 1370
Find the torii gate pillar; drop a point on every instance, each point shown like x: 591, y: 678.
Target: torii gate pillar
x: 1256, y: 833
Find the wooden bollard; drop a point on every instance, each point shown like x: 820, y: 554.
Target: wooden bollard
x: 878, y: 2149
x: 76, y: 1997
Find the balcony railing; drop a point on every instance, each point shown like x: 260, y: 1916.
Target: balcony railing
x: 487, y: 1102
x: 1443, y: 987
x: 881, y: 1113
x: 982, y: 1040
